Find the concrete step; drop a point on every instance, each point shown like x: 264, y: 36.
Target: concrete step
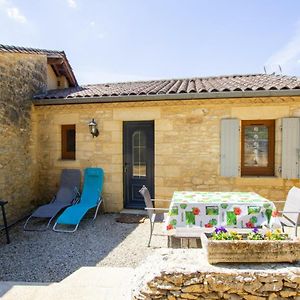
x: 10, y: 290
x: 88, y: 283
x: 134, y: 211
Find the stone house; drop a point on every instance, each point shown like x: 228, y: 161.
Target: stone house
x: 24, y: 72
x: 223, y: 133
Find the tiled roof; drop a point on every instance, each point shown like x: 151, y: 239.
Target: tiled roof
x: 64, y: 67
x: 203, y: 85
x: 17, y: 49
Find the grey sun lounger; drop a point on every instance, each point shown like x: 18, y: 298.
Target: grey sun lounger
x: 65, y: 197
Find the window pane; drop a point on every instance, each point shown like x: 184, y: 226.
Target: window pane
x: 256, y: 144
x: 68, y: 141
x: 139, y: 154
x: 71, y: 140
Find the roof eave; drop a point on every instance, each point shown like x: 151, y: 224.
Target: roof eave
x: 160, y: 97
x: 62, y: 61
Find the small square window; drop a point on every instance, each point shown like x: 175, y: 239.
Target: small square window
x: 68, y: 142
x: 258, y: 148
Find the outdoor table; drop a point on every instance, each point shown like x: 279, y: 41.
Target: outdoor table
x: 2, y: 203
x: 213, y: 209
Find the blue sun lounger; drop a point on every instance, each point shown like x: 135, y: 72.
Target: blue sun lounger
x: 91, y: 197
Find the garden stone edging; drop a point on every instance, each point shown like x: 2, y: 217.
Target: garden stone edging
x: 185, y: 274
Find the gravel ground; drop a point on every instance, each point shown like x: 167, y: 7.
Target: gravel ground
x: 50, y: 256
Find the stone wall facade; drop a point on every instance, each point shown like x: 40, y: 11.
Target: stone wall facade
x: 185, y: 274
x: 21, y: 77
x: 187, y: 144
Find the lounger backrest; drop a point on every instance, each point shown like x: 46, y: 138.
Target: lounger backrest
x: 292, y: 203
x: 69, y: 183
x: 92, y: 186
x: 147, y: 198
x: 70, y: 178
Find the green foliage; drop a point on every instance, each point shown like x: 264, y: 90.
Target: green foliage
x: 229, y: 235
x: 255, y: 235
x: 276, y: 235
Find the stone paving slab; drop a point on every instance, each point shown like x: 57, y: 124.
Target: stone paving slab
x: 87, y: 283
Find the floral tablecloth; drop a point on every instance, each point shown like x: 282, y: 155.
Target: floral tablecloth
x: 229, y: 209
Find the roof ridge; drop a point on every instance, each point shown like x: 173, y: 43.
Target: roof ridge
x: 22, y: 48
x: 188, y: 78
x: 230, y: 85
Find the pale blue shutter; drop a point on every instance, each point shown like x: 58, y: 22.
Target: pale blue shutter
x: 290, y: 147
x: 230, y: 147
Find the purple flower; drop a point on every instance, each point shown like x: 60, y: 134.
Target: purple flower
x: 255, y: 230
x: 220, y: 229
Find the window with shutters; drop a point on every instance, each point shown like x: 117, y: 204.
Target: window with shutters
x: 257, y: 148
x: 68, y: 142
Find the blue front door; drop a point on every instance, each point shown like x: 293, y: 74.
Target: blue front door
x: 138, y: 161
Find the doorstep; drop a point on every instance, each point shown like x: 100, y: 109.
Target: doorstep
x: 133, y: 211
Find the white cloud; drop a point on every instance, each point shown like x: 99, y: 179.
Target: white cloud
x: 12, y: 11
x: 92, y: 24
x: 289, y: 55
x: 72, y: 3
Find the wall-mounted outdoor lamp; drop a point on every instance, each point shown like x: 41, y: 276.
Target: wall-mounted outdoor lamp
x: 93, y: 128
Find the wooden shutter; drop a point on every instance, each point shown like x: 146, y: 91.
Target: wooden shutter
x: 290, y: 147
x: 230, y: 147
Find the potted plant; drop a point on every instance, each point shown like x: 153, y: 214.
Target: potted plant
x: 256, y: 245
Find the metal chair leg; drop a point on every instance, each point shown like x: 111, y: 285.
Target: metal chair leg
x: 151, y: 231
x: 5, y: 224
x: 98, y: 205
x: 37, y: 229
x: 61, y: 230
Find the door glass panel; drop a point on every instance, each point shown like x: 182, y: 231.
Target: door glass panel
x: 139, y: 168
x: 256, y: 144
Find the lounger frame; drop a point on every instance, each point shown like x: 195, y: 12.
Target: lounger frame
x: 44, y: 228
x: 76, y: 226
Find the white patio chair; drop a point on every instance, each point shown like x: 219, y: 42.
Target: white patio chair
x: 290, y: 215
x: 155, y: 214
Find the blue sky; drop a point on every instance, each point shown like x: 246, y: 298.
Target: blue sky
x: 121, y: 40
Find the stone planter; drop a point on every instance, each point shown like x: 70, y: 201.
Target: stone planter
x: 248, y: 251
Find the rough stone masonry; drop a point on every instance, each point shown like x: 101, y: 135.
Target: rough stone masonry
x: 185, y: 274
x: 21, y: 77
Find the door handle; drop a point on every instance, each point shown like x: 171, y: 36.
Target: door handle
x: 125, y: 167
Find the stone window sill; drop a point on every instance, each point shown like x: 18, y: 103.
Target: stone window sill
x: 64, y: 159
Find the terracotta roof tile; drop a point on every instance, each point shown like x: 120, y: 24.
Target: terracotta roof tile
x: 15, y: 49
x: 234, y: 83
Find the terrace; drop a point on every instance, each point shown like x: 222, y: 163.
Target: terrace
x: 104, y: 258
x: 48, y: 257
